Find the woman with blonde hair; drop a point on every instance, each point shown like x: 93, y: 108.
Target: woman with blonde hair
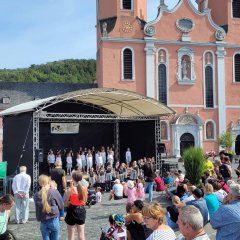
x: 153, y: 215
x: 211, y: 199
x: 48, y: 203
x: 75, y: 199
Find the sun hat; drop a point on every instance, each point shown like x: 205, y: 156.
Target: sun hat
x: 117, y: 181
x: 130, y: 184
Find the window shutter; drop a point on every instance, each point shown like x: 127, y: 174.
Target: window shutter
x: 209, y: 86
x: 162, y: 83
x: 127, y: 4
x: 236, y: 8
x: 127, y: 62
x: 237, y: 67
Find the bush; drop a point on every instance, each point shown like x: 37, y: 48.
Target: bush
x: 194, y: 164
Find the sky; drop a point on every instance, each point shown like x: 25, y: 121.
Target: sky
x: 41, y: 31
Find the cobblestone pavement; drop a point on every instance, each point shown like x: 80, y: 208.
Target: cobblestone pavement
x: 97, y: 217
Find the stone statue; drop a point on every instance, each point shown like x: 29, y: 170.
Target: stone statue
x: 104, y: 29
x: 205, y: 4
x: 162, y: 3
x: 184, y: 69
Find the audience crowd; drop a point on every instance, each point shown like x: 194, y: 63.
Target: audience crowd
x: 190, y: 208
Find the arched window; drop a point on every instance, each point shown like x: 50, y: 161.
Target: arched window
x: 236, y: 8
x: 127, y: 62
x: 127, y: 4
x: 164, y: 130
x: 209, y: 87
x: 209, y: 130
x: 162, y: 83
x: 237, y: 67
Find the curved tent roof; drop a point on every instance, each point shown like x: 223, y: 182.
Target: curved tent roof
x: 120, y: 102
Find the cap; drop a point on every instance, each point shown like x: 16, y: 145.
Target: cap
x: 130, y: 184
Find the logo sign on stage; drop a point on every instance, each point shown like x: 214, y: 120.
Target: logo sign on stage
x: 64, y: 128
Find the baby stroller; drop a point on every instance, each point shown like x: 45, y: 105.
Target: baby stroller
x: 91, y: 199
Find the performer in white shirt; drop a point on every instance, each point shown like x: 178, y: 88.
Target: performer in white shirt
x: 51, y: 159
x: 128, y: 157
x: 89, y: 160
x: 84, y: 161
x: 20, y: 187
x: 69, y: 163
x: 99, y: 160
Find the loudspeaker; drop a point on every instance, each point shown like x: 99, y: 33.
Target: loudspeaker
x: 161, y: 148
x: 39, y: 155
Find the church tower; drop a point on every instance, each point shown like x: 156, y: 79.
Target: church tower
x: 118, y: 21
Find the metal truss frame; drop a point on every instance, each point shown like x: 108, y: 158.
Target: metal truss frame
x: 157, y: 141
x: 43, y: 116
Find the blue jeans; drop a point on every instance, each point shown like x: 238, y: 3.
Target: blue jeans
x: 149, y: 189
x: 170, y: 223
x: 51, y: 228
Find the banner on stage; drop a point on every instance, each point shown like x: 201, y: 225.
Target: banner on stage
x: 64, y: 128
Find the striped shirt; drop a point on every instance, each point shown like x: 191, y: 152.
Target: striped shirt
x: 162, y: 235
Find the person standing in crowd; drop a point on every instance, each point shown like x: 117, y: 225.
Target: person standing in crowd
x: 75, y: 199
x: 190, y: 223
x: 79, y: 161
x: 128, y: 157
x: 58, y: 175
x: 226, y: 220
x: 69, y: 163
x: 149, y: 178
x: 51, y: 159
x: 48, y: 204
x: 84, y: 161
x: 6, y: 203
x: 153, y: 215
x: 225, y: 169
x: 20, y: 187
x: 89, y: 158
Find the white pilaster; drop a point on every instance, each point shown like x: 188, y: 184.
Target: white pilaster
x: 221, y: 89
x: 150, y: 63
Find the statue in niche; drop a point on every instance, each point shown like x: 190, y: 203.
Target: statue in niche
x: 104, y: 29
x: 205, y: 4
x: 208, y: 58
x: 209, y: 130
x: 164, y: 134
x: 185, y: 69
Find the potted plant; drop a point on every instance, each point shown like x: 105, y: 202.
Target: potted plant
x: 194, y: 164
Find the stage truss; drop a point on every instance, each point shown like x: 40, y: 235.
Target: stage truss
x: 43, y: 116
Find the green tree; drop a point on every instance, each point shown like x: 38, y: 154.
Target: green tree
x: 225, y: 141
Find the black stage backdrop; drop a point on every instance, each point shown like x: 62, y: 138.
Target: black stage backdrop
x: 139, y: 136
x: 17, y: 130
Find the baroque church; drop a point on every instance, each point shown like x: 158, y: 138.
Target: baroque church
x: 186, y: 58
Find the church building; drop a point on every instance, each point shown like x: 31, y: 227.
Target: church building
x: 186, y: 58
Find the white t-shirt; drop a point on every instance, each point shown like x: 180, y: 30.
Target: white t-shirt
x: 98, y: 197
x: 118, y: 190
x: 51, y: 158
x: 162, y: 235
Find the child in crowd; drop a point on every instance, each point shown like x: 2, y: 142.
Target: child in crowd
x: 53, y: 185
x: 140, y: 193
x: 99, y: 195
x: 131, y: 192
x: 92, y: 176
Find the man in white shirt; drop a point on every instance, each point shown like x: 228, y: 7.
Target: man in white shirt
x: 20, y: 186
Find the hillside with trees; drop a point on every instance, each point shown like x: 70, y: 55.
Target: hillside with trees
x: 65, y: 71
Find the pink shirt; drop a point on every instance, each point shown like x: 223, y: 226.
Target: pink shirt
x: 131, y: 193
x: 140, y: 194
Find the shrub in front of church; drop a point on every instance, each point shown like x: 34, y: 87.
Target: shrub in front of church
x: 194, y: 164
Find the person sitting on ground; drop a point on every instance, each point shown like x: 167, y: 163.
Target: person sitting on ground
x: 226, y: 220
x: 131, y: 192
x: 172, y: 213
x: 190, y: 196
x: 190, y: 222
x: 120, y: 231
x: 219, y: 192
x: 198, y: 202
x: 109, y: 229
x: 140, y: 193
x: 159, y: 182
x: 153, y: 215
x: 99, y: 195
x: 181, y: 190
x: 117, y: 191
x: 211, y: 199
x: 6, y: 203
x: 136, y: 228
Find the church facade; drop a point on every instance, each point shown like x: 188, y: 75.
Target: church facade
x: 186, y: 58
